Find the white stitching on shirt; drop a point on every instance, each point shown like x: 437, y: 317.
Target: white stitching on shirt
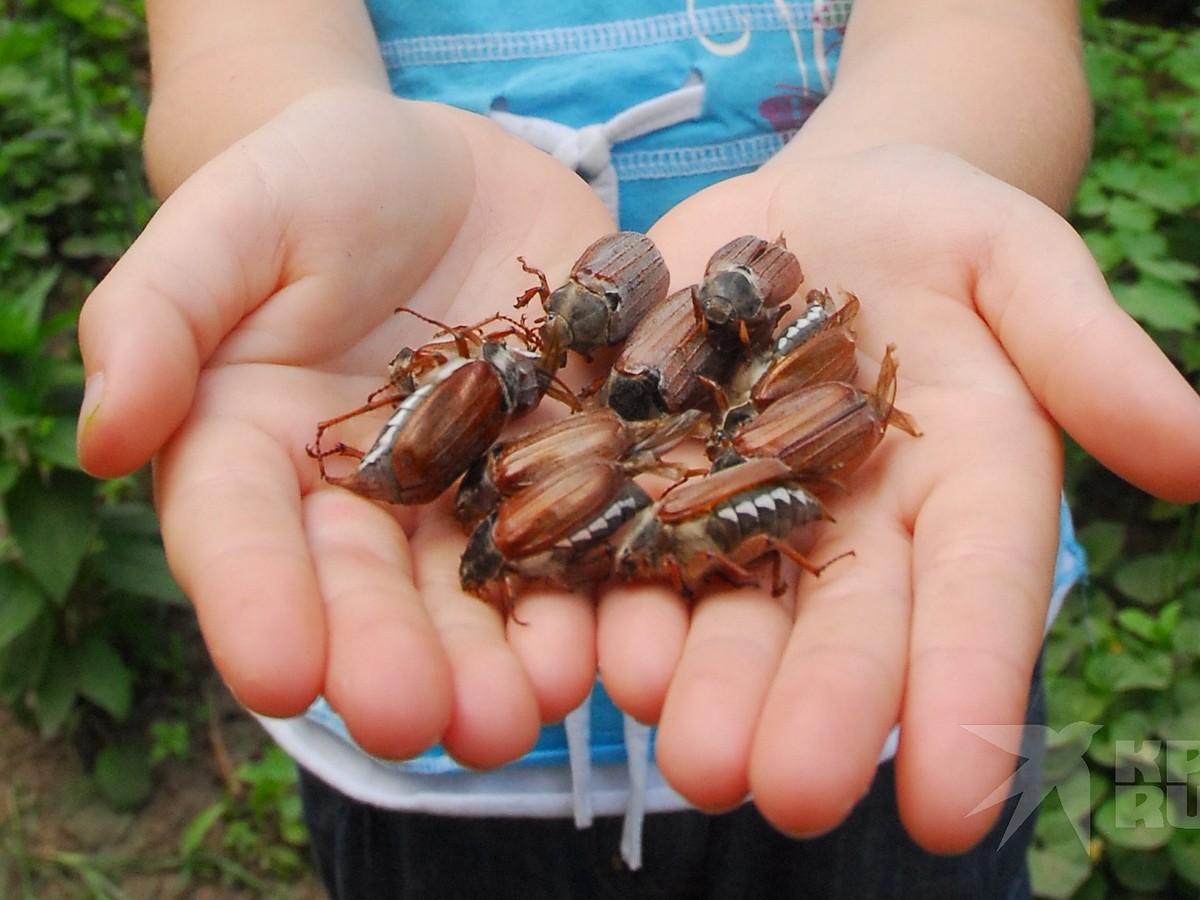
x: 680, y: 162
x: 450, y: 49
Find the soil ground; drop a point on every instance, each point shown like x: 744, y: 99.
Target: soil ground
x: 59, y: 838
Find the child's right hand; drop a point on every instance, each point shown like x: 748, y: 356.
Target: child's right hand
x: 261, y: 300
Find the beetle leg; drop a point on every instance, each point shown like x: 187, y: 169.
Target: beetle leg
x: 678, y: 582
x: 778, y: 585
x: 698, y: 309
x: 564, y: 395
x: 373, y: 403
x: 543, y: 287
x: 339, y: 449
x: 720, y: 566
x: 719, y: 397
x: 803, y: 561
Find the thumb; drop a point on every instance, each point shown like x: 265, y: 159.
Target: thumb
x: 1096, y: 371
x: 205, y: 259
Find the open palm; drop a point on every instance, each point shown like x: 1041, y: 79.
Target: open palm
x: 1003, y: 325
x: 261, y: 300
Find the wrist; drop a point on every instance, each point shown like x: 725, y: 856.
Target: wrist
x: 189, y: 121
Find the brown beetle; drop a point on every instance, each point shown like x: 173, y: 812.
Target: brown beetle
x: 746, y: 283
x: 611, y: 286
x: 412, y: 366
x: 825, y: 431
x: 592, y: 434
x: 669, y: 361
x: 558, y: 529
x: 718, y: 525
x: 818, y: 346
x: 455, y: 413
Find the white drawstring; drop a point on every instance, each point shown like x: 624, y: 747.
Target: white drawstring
x: 578, y: 725
x: 588, y: 150
x: 637, y: 755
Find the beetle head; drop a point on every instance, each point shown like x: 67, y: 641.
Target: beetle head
x: 477, y: 492
x: 522, y: 377
x: 730, y: 296
x: 640, y: 549
x: 634, y: 397
x: 482, y: 563
x: 585, y: 314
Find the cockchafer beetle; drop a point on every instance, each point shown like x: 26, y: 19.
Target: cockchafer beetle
x: 746, y: 283
x: 717, y: 526
x: 558, y: 529
x: 412, y: 365
x: 825, y: 431
x: 598, y: 433
x: 669, y: 362
x: 445, y: 416
x: 818, y: 346
x: 612, y: 285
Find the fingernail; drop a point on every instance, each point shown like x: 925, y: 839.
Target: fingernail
x: 93, y: 390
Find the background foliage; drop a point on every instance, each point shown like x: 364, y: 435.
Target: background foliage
x: 87, y: 605
x: 1124, y: 654
x: 97, y: 643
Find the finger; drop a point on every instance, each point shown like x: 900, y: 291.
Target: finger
x: 387, y: 676
x: 714, y: 701
x: 229, y: 507
x: 983, y: 560
x: 1100, y: 376
x: 553, y: 634
x: 837, y: 692
x: 495, y: 716
x: 147, y: 328
x: 640, y: 632
x: 279, y: 209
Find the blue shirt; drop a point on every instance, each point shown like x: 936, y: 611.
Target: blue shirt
x: 764, y: 67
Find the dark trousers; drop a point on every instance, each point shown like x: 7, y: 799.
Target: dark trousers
x: 364, y: 853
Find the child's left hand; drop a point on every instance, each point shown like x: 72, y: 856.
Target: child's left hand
x: 1004, y: 326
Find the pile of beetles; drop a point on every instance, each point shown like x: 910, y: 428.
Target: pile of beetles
x: 775, y: 406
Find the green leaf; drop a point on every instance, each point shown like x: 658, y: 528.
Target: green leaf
x: 1185, y: 638
x: 199, y: 828
x: 1070, y: 699
x: 21, y: 313
x: 56, y: 445
x: 133, y: 560
x: 1058, y: 870
x: 21, y: 602
x: 52, y: 522
x: 1127, y: 671
x: 1138, y: 869
x: 1159, y: 304
x: 1127, y: 214
x: 1152, y: 579
x: 1103, y: 542
x: 1135, y: 817
x: 122, y: 774
x: 54, y: 696
x: 1171, y: 271
x: 1183, y: 850
x: 103, y: 677
x: 1139, y: 622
